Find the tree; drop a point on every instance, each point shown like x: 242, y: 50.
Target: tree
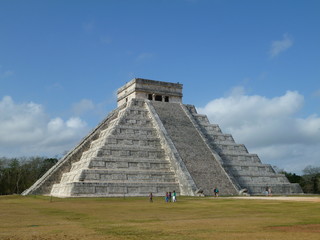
x: 311, y: 180
x: 293, y: 178
x: 311, y: 170
x: 18, y: 174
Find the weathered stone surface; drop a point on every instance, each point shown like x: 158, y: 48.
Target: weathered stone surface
x: 245, y: 169
x: 206, y: 171
x: 157, y: 146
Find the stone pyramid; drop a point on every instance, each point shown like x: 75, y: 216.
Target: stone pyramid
x: 153, y: 143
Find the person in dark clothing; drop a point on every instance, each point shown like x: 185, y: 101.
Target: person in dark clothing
x: 216, y: 192
x: 151, y: 197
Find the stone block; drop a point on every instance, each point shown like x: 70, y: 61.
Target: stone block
x: 117, y: 190
x: 101, y: 190
x: 133, y: 190
x: 106, y: 177
x: 119, y: 176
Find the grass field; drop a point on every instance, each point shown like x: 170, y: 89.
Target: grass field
x: 37, y: 218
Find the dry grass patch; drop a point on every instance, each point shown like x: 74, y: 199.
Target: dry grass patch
x: 313, y: 228
x: 135, y: 218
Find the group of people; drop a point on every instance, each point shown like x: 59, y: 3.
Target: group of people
x: 267, y: 192
x: 170, y: 197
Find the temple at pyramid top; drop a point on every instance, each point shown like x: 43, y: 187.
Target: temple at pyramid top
x: 140, y: 88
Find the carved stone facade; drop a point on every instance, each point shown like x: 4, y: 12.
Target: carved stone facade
x: 140, y: 88
x: 154, y: 143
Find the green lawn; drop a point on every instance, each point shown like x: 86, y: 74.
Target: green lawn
x: 36, y: 217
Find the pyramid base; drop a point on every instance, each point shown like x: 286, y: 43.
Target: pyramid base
x: 277, y: 189
x: 98, y: 189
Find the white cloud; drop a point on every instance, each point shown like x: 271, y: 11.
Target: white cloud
x: 82, y: 107
x: 269, y: 127
x: 75, y: 123
x: 26, y: 130
x: 280, y: 45
x: 237, y: 91
x: 55, y: 125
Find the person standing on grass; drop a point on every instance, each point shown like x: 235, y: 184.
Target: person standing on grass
x: 266, y: 192
x: 216, y: 192
x: 167, y: 197
x: 174, y: 196
x: 151, y: 197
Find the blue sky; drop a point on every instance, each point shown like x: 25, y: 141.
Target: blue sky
x: 252, y: 66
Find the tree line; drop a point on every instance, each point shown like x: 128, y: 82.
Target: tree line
x: 18, y: 174
x: 309, y: 180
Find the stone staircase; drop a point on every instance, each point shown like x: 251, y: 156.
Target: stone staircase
x: 126, y: 159
x: 44, y: 184
x: 243, y: 167
x: 202, y: 165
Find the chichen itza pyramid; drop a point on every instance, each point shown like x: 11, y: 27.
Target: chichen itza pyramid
x: 152, y: 142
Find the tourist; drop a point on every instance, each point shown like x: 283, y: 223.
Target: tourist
x: 167, y: 197
x: 174, y: 196
x: 216, y: 192
x: 266, y: 192
x: 151, y: 197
